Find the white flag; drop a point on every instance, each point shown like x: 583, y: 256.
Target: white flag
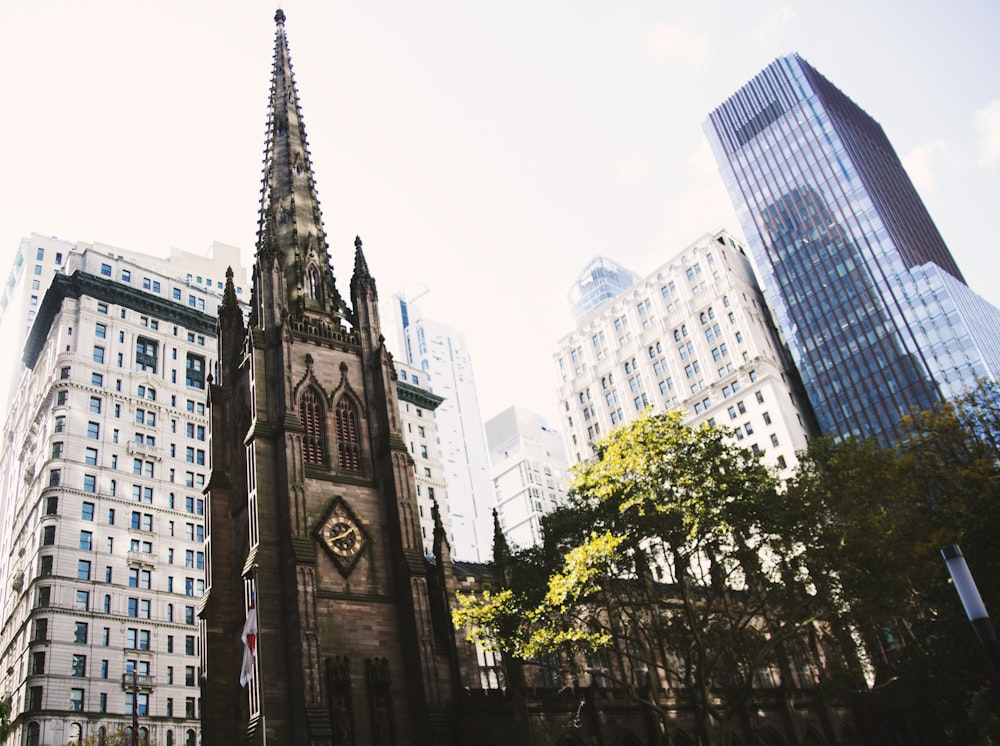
x: 249, y: 638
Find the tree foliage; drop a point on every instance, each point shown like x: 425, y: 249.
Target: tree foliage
x: 673, y: 575
x: 874, y: 522
x: 5, y: 724
x: 683, y: 569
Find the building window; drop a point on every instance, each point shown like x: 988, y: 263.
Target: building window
x: 313, y: 440
x: 312, y: 283
x: 348, y: 437
x: 195, y: 371
x: 137, y: 639
x: 80, y: 633
x: 93, y: 430
x: 145, y: 354
x: 78, y: 668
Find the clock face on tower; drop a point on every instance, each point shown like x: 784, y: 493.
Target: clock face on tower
x: 342, y: 536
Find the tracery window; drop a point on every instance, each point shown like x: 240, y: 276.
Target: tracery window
x: 312, y: 283
x: 348, y: 437
x: 311, y: 415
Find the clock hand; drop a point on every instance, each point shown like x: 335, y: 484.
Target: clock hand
x: 344, y: 535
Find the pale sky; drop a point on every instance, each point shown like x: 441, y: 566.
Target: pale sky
x: 485, y: 150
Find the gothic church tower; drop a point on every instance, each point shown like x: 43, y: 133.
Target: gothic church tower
x: 313, y: 514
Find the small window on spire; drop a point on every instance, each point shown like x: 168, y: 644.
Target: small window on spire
x: 312, y: 283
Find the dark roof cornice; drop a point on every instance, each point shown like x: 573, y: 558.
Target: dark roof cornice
x: 81, y: 284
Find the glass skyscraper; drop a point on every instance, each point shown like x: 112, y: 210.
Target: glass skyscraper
x: 876, y: 313
x: 600, y: 281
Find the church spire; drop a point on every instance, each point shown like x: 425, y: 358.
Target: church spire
x: 290, y: 237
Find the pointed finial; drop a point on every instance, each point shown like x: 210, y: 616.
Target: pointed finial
x: 279, y: 16
x: 440, y: 535
x: 501, y: 550
x: 229, y: 300
x: 362, y: 277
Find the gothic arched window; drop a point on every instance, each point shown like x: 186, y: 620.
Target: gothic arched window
x: 312, y: 283
x: 311, y: 415
x: 348, y: 437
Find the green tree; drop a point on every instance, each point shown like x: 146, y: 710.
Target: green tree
x: 5, y: 724
x: 674, y: 576
x: 874, y: 522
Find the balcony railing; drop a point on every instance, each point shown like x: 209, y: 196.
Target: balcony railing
x: 143, y: 682
x: 141, y: 558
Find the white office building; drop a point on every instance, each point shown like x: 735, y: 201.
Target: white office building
x: 442, y: 358
x: 416, y: 412
x: 101, y: 491
x: 529, y: 471
x: 693, y: 335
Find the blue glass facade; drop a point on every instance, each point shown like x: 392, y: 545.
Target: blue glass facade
x: 875, y: 311
x: 600, y: 281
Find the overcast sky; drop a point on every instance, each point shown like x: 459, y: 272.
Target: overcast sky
x: 483, y: 150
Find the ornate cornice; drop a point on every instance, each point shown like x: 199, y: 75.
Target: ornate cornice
x: 81, y: 284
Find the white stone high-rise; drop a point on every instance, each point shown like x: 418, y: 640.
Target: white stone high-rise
x: 37, y: 259
x: 102, y: 505
x: 529, y: 470
x: 694, y: 335
x: 416, y: 412
x: 440, y: 353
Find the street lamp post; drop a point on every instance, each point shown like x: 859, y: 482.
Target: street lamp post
x: 135, y: 706
x: 975, y: 609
